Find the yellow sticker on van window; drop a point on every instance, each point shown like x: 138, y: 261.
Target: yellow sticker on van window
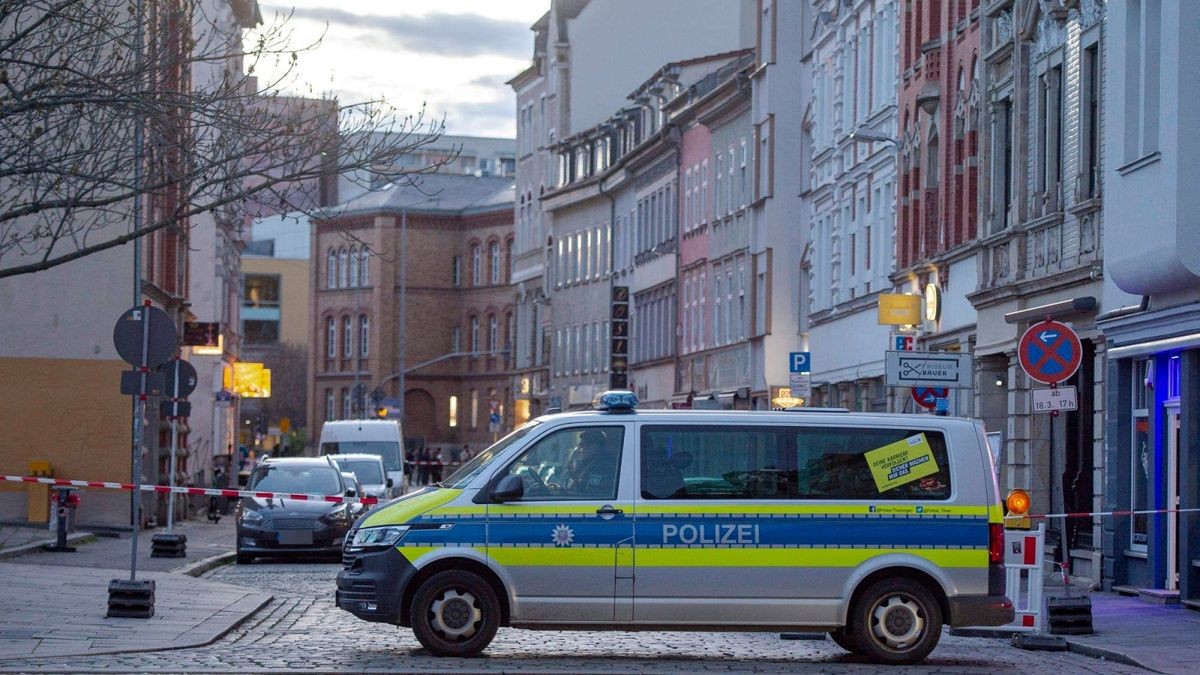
x: 901, y: 462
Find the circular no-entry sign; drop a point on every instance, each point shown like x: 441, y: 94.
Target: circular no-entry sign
x: 927, y: 397
x: 1050, y: 352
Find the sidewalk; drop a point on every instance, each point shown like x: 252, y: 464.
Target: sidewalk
x: 54, y: 604
x: 1162, y: 638
x: 204, y: 539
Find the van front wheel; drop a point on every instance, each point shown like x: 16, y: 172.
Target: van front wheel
x: 455, y: 613
x: 896, y: 621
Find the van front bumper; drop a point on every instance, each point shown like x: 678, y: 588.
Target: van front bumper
x: 980, y: 610
x: 371, y: 584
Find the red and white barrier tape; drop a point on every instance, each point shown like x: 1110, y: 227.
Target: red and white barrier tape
x: 1100, y: 514
x: 213, y: 492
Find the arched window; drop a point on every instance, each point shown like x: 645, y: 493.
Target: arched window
x: 331, y: 270
x: 493, y: 334
x: 347, y: 337
x: 330, y: 338
x: 347, y: 411
x: 474, y: 335
x: 476, y: 265
x: 364, y: 275
x: 364, y: 335
x: 329, y: 404
x: 344, y: 264
x: 494, y: 262
x: 353, y: 266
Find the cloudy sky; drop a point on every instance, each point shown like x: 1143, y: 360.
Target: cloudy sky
x: 453, y: 55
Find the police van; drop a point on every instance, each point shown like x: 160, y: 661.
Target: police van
x: 879, y: 529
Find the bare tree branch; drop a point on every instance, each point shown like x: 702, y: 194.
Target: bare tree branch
x: 217, y: 139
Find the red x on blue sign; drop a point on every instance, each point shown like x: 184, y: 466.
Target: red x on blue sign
x: 1050, y: 352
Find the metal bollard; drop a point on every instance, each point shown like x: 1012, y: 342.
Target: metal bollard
x: 64, y: 503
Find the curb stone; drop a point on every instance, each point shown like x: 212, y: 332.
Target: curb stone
x: 198, y: 568
x: 34, y: 546
x: 1107, y: 654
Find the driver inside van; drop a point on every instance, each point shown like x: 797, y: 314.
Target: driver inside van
x: 592, y: 467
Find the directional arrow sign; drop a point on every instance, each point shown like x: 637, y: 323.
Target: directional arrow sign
x: 1050, y: 352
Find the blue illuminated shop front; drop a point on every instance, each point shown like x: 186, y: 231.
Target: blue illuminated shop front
x: 1152, y: 429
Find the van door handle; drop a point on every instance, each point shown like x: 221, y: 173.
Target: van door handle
x: 609, y: 511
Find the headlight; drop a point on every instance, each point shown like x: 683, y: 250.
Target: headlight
x: 339, y: 513
x: 251, y: 517
x: 378, y: 537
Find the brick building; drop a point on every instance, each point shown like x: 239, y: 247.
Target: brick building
x: 434, y: 255
x: 936, y: 226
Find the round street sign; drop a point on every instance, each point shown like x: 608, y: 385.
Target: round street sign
x: 187, y: 378
x: 927, y: 397
x: 1050, y: 352
x: 127, y: 336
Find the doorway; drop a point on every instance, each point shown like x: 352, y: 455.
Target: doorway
x: 1171, y: 429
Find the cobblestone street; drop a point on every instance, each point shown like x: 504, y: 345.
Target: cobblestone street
x: 303, y: 631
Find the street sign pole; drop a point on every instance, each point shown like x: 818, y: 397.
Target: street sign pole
x: 174, y: 446
x: 143, y: 372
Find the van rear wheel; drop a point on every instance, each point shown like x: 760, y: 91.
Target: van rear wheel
x: 455, y: 613
x: 896, y: 621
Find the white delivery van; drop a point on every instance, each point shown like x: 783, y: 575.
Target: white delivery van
x: 367, y: 437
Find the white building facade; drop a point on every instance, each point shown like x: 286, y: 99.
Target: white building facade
x: 852, y: 196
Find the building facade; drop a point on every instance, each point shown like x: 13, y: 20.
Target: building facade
x: 411, y: 293
x: 852, y: 196
x: 938, y: 113
x: 1152, y: 423
x: 578, y: 78
x: 59, y: 371
x: 1039, y: 250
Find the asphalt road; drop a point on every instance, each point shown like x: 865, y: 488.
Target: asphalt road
x: 302, y: 631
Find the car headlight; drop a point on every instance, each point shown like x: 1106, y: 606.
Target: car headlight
x: 379, y: 537
x: 251, y: 517
x: 340, y: 513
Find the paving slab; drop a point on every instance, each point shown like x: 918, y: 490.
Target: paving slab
x: 62, y: 612
x: 1157, y: 637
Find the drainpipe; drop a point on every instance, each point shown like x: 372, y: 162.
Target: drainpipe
x: 612, y: 272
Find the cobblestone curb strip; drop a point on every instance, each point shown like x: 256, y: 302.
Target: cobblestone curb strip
x: 198, y: 568
x: 1106, y: 654
x: 34, y: 546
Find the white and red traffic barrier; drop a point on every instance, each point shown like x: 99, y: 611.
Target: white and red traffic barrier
x: 212, y: 492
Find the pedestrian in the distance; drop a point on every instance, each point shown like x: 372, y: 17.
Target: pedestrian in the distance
x: 435, y: 465
x: 466, y: 454
x: 423, y: 466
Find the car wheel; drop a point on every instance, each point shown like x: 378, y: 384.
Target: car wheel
x: 455, y: 613
x: 843, y: 638
x: 244, y: 558
x: 896, y: 621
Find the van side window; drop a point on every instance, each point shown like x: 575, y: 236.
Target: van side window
x: 576, y: 463
x: 877, y: 464
x: 716, y: 462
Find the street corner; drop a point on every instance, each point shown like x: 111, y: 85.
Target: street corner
x: 62, y: 611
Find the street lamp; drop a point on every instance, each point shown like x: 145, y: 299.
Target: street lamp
x: 865, y: 134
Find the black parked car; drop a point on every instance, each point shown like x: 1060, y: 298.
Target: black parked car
x: 274, y: 526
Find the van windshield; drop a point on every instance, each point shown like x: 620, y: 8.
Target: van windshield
x: 467, y: 472
x: 388, y: 451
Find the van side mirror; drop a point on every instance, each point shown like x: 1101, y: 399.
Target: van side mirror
x: 510, y: 488
x: 389, y: 483
x: 351, y: 492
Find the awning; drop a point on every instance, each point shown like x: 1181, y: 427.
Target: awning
x: 1155, y: 346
